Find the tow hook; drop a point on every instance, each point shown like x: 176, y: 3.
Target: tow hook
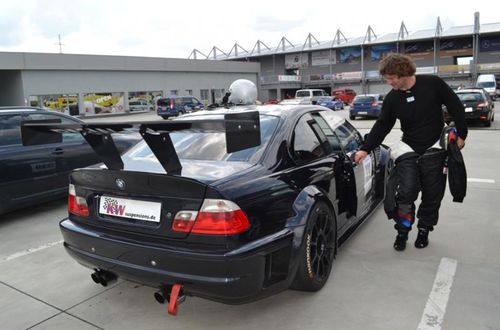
x: 174, y: 295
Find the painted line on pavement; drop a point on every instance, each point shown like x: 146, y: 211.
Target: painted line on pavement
x: 30, y: 251
x: 480, y: 180
x: 433, y: 315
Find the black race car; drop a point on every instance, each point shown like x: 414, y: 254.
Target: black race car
x: 230, y: 205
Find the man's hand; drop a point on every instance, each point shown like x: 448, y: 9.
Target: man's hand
x: 460, y: 142
x: 360, y: 155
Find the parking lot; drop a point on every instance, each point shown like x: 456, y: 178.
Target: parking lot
x: 372, y: 286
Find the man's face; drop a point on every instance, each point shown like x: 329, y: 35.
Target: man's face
x: 395, y: 81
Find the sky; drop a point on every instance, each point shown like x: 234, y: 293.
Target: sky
x: 173, y: 29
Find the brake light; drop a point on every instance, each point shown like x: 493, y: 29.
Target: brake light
x: 374, y: 103
x: 76, y: 204
x: 482, y: 105
x: 216, y: 217
x: 171, y: 104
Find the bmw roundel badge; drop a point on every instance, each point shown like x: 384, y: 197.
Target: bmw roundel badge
x: 120, y: 184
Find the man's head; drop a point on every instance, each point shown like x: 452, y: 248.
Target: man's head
x: 398, y: 70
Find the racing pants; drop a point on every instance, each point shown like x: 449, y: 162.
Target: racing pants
x: 419, y: 173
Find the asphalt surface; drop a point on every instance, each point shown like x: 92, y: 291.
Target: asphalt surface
x: 454, y: 283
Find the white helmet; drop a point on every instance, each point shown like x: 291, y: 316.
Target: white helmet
x: 243, y: 92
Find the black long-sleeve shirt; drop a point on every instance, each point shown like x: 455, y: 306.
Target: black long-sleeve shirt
x: 419, y: 110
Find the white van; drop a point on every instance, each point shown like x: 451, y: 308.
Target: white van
x: 489, y: 83
x: 310, y: 94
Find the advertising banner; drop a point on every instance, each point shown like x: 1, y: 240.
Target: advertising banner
x: 423, y: 49
x: 350, y: 55
x: 296, y: 61
x: 454, y: 47
x: 489, y: 44
x: 379, y: 51
x: 323, y: 57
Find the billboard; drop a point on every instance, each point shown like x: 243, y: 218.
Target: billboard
x: 296, y: 61
x: 421, y: 49
x: 350, y: 55
x: 489, y: 44
x: 454, y: 47
x: 323, y: 57
x: 379, y: 51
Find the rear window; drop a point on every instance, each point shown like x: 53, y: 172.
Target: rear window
x: 470, y: 97
x: 163, y: 102
x: 302, y: 94
x: 317, y: 93
x: 364, y: 99
x: 486, y: 84
x: 212, y: 146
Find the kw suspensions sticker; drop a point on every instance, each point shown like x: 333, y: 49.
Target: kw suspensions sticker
x: 368, y: 171
x: 130, y: 208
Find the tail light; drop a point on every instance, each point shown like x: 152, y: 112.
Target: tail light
x: 171, y: 104
x: 482, y: 105
x: 216, y: 217
x: 374, y: 103
x: 76, y: 204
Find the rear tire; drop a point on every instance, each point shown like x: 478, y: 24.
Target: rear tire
x: 318, y: 250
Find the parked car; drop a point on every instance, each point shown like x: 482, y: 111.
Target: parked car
x: 140, y: 105
x: 312, y: 95
x: 366, y: 105
x: 230, y: 217
x: 39, y: 173
x: 177, y: 105
x: 271, y: 101
x: 331, y: 103
x: 479, y: 107
x: 489, y: 83
x: 346, y: 95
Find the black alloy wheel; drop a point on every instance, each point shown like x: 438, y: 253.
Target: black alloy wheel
x: 318, y: 250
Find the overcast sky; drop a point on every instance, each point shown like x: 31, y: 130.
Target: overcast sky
x: 159, y: 28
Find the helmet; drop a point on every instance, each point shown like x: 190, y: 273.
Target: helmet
x: 243, y: 92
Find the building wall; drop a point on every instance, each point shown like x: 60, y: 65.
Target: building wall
x: 11, y: 88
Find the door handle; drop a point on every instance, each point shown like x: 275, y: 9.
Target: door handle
x: 58, y: 151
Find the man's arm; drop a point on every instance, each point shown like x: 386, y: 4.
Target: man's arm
x: 377, y: 134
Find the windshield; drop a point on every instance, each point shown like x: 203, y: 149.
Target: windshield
x: 211, y: 146
x: 303, y: 94
x: 486, y: 84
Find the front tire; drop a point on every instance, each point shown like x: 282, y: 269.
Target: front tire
x: 318, y: 250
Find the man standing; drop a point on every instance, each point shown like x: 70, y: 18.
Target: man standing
x: 417, y: 102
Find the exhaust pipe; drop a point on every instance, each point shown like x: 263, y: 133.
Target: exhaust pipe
x: 103, y: 277
x: 173, y: 294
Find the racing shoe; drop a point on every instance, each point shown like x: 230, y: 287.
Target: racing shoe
x: 400, y: 243
x: 422, y: 238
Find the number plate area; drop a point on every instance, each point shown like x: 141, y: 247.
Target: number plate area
x: 130, y: 208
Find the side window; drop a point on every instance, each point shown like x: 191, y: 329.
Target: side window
x: 67, y: 137
x: 305, y: 143
x: 333, y: 140
x: 10, y: 130
x: 349, y: 137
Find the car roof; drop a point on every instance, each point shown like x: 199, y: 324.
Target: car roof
x: 277, y: 110
x: 21, y: 109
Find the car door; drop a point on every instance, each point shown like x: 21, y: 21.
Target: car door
x: 345, y: 185
x: 27, y: 171
x: 351, y: 141
x: 73, y: 152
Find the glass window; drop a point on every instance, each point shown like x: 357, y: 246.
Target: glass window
x: 305, y: 143
x: 349, y: 137
x: 67, y: 137
x: 189, y: 92
x: 174, y: 92
x: 333, y: 140
x: 10, y: 130
x: 212, y: 146
x: 204, y: 94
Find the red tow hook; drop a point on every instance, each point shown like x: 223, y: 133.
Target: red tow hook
x: 174, y: 302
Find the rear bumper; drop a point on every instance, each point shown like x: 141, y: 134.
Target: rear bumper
x: 476, y: 115
x: 365, y: 112
x: 253, y: 271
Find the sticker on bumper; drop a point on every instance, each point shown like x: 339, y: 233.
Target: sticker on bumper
x: 129, y: 208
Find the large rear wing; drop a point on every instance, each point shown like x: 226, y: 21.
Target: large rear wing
x: 242, y: 130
